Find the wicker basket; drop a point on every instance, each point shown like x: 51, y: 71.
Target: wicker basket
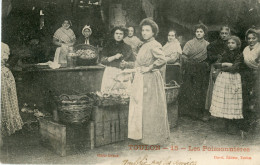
x: 86, y: 62
x: 171, y: 92
x: 74, y: 109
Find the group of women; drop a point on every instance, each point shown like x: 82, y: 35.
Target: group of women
x: 221, y: 77
x: 216, y: 78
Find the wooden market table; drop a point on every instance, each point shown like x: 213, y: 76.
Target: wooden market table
x: 41, y: 86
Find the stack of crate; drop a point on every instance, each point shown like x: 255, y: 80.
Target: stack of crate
x: 110, y: 124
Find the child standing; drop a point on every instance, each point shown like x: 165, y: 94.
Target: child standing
x: 227, y: 92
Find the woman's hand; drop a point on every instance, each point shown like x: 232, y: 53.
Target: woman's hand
x: 118, y: 56
x: 226, y: 64
x: 123, y: 64
x: 115, y: 57
x: 145, y: 69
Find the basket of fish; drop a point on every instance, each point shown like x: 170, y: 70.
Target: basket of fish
x: 86, y: 55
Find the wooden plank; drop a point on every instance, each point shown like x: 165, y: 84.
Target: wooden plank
x: 53, y: 135
x: 113, y: 131
x: 97, y: 114
x: 123, y: 131
x: 123, y: 113
x: 123, y: 121
x: 99, y: 128
x: 110, y: 124
x: 91, y: 132
x: 105, y: 114
x: 117, y: 130
x: 101, y: 140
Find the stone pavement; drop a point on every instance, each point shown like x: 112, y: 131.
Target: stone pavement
x: 191, y: 142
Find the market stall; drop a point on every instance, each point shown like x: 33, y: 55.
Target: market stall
x: 42, y: 87
x: 105, y: 120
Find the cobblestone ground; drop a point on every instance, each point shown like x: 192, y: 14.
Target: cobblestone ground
x: 188, y: 140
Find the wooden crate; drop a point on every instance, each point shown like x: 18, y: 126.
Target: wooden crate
x: 110, y: 124
x: 63, y: 138
x: 172, y: 110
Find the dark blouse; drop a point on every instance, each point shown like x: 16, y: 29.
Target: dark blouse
x: 234, y: 57
x: 216, y: 48
x: 112, y: 48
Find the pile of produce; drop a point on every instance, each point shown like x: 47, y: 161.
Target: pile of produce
x: 115, y: 97
x: 86, y: 53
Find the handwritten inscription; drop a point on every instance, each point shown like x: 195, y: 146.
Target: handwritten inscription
x: 145, y: 161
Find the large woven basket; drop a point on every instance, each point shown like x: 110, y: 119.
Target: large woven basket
x: 86, y: 62
x: 172, y: 92
x: 74, y: 109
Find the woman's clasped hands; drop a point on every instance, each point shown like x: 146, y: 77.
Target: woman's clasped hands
x: 143, y: 69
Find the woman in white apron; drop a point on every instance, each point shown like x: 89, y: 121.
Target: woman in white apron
x: 64, y: 38
x: 148, y: 120
x: 227, y: 99
x: 172, y: 51
x: 113, y: 56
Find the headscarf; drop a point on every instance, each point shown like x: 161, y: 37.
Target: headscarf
x: 253, y: 31
x: 86, y: 27
x: 5, y: 51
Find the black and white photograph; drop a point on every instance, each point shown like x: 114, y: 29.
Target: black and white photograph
x: 130, y: 82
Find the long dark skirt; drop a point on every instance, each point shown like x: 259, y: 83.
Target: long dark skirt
x: 250, y: 87
x: 257, y: 135
x: 193, y: 90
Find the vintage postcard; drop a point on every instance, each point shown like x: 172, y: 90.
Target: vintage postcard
x: 130, y: 82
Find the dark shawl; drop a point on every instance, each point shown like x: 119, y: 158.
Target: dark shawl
x: 112, y: 48
x: 216, y: 48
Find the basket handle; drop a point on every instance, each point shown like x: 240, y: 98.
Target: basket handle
x: 174, y: 82
x: 64, y: 96
x: 86, y: 98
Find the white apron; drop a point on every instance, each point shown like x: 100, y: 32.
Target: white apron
x: 135, y: 108
x: 61, y: 55
x: 115, y: 79
x: 108, y: 80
